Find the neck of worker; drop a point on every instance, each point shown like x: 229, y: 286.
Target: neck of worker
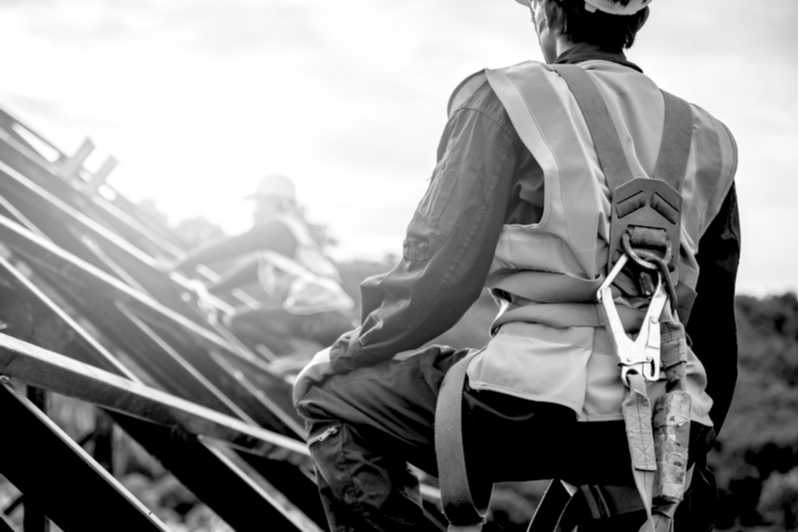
x: 569, y: 52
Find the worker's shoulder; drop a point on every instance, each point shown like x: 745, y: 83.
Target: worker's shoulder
x: 716, y: 137
x: 704, y: 117
x: 473, y: 87
x: 475, y: 92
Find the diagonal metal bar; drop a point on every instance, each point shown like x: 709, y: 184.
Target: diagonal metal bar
x: 86, y: 438
x: 170, y: 369
x: 52, y: 215
x: 9, y: 122
x: 270, y: 395
x: 34, y: 518
x: 65, y: 269
x: 28, y: 314
x: 42, y: 462
x: 238, y: 495
x: 6, y: 525
x: 296, y: 484
x: 42, y: 368
x: 107, y: 261
x: 116, y: 211
x: 167, y: 349
x: 9, y: 210
x: 50, y: 196
x: 284, y: 475
x: 67, y: 265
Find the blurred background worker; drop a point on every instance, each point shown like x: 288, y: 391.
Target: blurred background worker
x: 297, y: 287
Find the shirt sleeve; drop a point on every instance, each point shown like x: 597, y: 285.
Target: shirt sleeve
x: 712, y: 323
x: 273, y: 235
x: 449, y: 245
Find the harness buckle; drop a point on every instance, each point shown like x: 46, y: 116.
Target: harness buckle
x: 642, y: 355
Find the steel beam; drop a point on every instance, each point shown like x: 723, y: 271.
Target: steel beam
x: 201, y: 381
x: 6, y: 525
x: 99, y: 177
x: 72, y: 165
x: 30, y: 315
x: 121, y: 220
x: 31, y: 163
x: 296, y: 484
x: 71, y: 277
x: 39, y: 367
x: 242, y: 499
x: 10, y: 123
x: 43, y: 462
x: 101, y: 284
x: 53, y: 216
x: 34, y: 519
x: 10, y: 211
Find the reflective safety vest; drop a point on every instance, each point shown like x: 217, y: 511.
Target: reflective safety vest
x: 549, y: 343
x: 307, y: 283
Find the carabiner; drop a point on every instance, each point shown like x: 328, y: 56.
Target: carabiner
x: 642, y: 355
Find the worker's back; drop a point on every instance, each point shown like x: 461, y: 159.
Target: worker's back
x: 546, y: 274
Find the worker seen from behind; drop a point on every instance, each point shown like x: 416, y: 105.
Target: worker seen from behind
x: 601, y: 214
x: 297, y: 287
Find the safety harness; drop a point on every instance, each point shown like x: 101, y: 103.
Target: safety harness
x: 644, y: 245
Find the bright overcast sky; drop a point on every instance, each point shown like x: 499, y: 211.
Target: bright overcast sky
x: 199, y: 99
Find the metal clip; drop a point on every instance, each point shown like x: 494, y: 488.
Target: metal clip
x: 642, y: 355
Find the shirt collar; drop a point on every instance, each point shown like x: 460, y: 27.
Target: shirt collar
x: 585, y: 52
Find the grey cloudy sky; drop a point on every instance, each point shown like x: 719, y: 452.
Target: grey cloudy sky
x: 198, y: 99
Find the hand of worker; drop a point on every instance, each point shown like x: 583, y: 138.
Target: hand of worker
x: 316, y: 371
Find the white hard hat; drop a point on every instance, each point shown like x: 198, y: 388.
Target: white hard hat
x: 612, y: 7
x: 276, y: 186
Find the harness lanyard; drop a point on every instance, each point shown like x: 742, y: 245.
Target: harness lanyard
x: 658, y: 463
x: 658, y: 439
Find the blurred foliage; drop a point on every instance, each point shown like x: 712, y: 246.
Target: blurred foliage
x: 756, y: 456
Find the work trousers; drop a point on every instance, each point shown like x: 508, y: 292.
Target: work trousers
x: 365, y: 426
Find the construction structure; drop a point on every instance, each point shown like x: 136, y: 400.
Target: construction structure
x: 84, y: 312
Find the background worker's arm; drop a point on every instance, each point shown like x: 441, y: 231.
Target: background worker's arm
x: 272, y: 235
x: 712, y: 324
x: 241, y: 274
x: 450, y: 242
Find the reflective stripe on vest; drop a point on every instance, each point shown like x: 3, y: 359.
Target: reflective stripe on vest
x: 532, y: 355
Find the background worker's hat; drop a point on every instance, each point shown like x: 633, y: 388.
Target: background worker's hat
x: 612, y: 7
x: 274, y: 186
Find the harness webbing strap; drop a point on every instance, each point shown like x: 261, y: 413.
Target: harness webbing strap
x: 676, y: 141
x: 636, y: 411
x: 676, y: 138
x: 601, y: 127
x: 457, y: 499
